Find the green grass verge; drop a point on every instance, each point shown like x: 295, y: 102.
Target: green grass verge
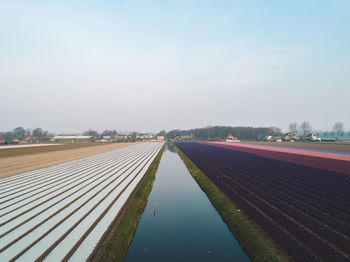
x: 251, y: 238
x: 117, y: 247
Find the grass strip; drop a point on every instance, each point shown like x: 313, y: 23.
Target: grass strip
x: 254, y: 241
x: 118, y: 245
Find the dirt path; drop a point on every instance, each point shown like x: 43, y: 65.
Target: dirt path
x: 18, y: 164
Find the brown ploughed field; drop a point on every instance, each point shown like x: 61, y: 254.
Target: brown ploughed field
x: 18, y: 160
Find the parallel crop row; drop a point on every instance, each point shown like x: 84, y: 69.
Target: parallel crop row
x: 287, y: 200
x: 62, y: 212
x: 334, y: 164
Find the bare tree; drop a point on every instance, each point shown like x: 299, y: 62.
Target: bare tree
x: 293, y: 127
x: 162, y: 133
x: 338, y: 128
x: 39, y: 133
x: 7, y: 136
x: 93, y: 133
x: 275, y: 130
x: 133, y: 136
x: 111, y: 133
x: 305, y: 128
x: 20, y: 133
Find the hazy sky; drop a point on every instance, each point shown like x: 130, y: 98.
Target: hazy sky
x: 68, y: 66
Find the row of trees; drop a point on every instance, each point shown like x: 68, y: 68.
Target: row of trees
x: 248, y: 133
x: 20, y: 133
x: 111, y: 133
x: 221, y: 132
x: 96, y: 135
x: 305, y: 128
x: 206, y: 133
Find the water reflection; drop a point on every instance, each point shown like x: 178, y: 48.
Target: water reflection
x: 179, y: 222
x: 170, y: 147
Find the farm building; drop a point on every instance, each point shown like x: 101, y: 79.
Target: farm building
x: 71, y: 139
x: 29, y: 140
x: 122, y: 137
x: 272, y: 139
x: 277, y: 139
x: 160, y: 138
x: 231, y: 138
x: 144, y: 136
x: 289, y: 137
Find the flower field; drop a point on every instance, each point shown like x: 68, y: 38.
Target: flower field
x: 305, y: 209
x: 335, y: 161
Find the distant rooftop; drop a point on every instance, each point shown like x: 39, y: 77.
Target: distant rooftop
x: 71, y: 137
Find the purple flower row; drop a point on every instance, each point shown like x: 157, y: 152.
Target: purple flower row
x: 267, y: 191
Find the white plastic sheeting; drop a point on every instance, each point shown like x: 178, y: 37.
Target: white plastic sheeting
x: 61, y: 212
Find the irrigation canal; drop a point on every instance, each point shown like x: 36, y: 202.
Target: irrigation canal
x: 179, y: 222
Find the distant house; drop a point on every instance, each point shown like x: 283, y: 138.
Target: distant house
x: 144, y: 137
x: 30, y: 140
x: 72, y: 139
x: 272, y: 139
x: 231, y: 138
x: 277, y: 139
x: 313, y: 138
x: 267, y: 139
x: 291, y: 137
x: 105, y: 139
x: 160, y: 138
x: 149, y: 140
x: 121, y: 137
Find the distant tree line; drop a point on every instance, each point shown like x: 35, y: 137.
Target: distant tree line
x: 221, y: 132
x: 205, y: 133
x: 305, y: 128
x: 96, y: 135
x: 21, y: 133
x: 246, y: 133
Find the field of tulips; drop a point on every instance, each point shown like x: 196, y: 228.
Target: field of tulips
x: 304, y: 208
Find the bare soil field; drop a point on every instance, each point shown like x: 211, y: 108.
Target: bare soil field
x: 26, y: 145
x: 26, y: 159
x: 20, y: 151
x: 337, y: 147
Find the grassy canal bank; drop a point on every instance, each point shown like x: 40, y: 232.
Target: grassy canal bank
x: 124, y: 228
x: 257, y: 245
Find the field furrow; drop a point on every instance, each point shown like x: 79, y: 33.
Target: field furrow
x: 304, y: 217
x: 67, y: 208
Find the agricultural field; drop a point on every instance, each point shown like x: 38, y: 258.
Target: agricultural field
x: 64, y: 212
x: 332, y: 161
x: 325, y: 146
x: 303, y: 208
x: 26, y: 146
x: 19, y: 160
x: 22, y: 150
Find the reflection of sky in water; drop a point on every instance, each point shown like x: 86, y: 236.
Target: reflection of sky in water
x: 185, y: 227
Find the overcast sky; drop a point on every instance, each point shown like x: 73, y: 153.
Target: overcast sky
x: 67, y: 66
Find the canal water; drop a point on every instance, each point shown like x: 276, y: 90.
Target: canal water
x: 179, y: 222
